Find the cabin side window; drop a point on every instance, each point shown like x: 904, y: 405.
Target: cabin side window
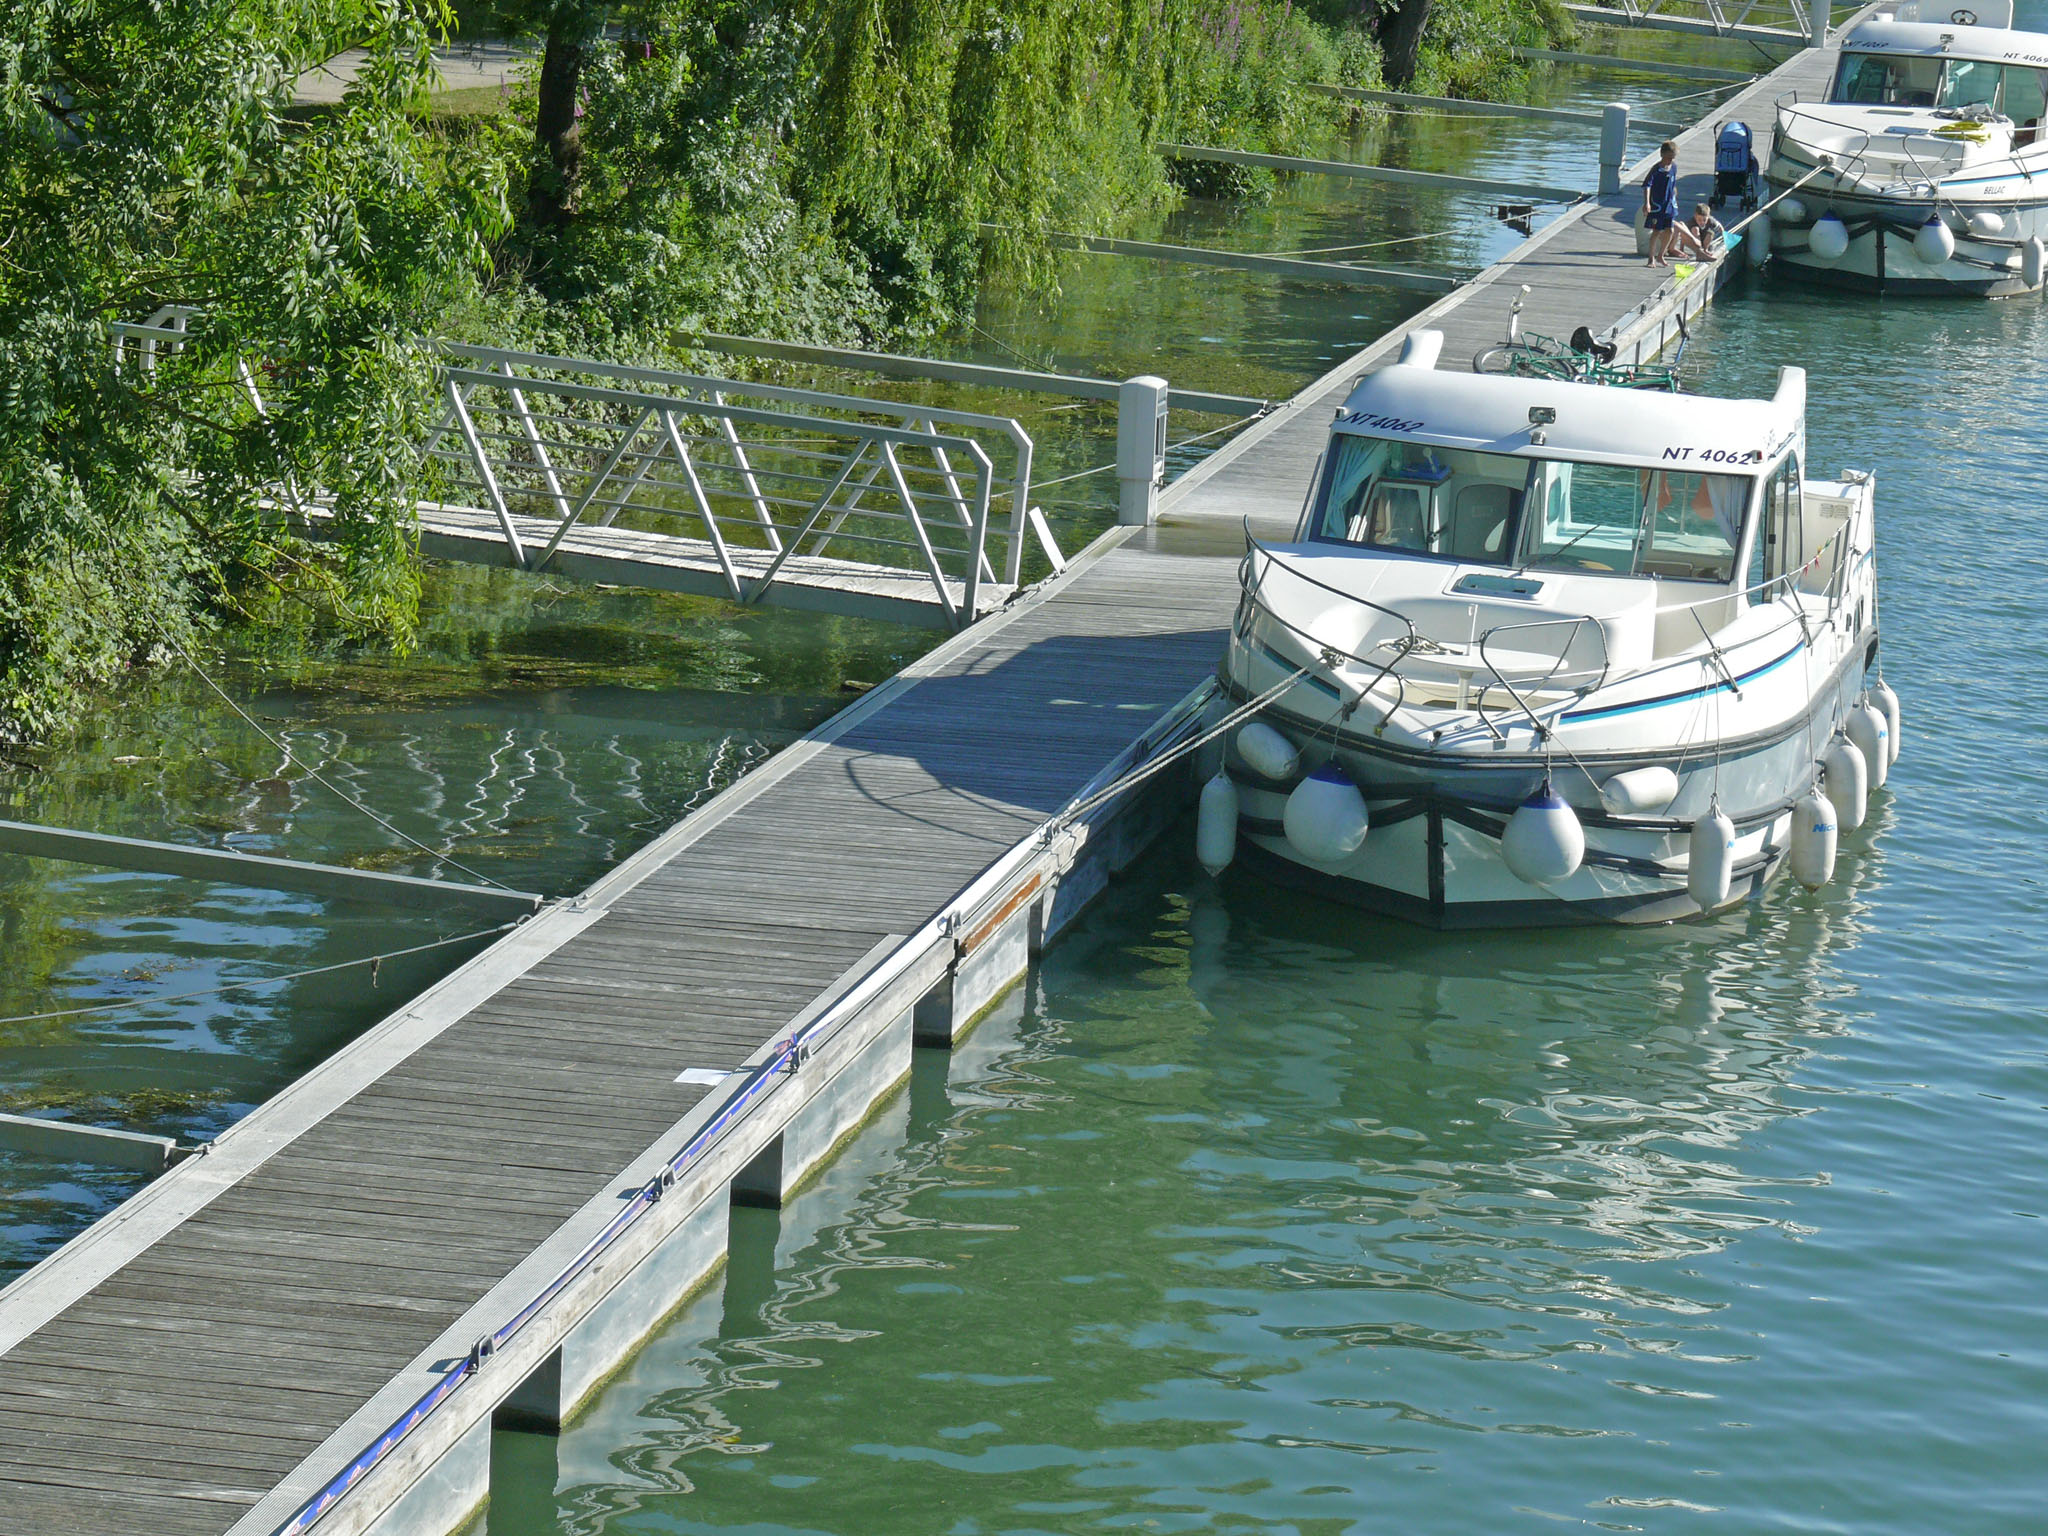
x: 2024, y: 99
x: 1410, y: 498
x: 1780, y: 545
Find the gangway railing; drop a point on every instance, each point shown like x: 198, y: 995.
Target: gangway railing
x: 775, y: 484
x: 932, y: 458
x: 1786, y: 23
x: 758, y: 484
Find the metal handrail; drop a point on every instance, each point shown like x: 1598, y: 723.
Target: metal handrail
x: 1412, y: 642
x: 1018, y: 483
x: 960, y: 478
x: 1934, y: 178
x: 1577, y: 622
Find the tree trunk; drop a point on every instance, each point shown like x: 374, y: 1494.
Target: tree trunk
x: 1401, y: 32
x: 558, y: 144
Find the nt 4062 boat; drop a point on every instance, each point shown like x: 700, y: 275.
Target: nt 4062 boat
x: 1926, y: 169
x: 1548, y: 652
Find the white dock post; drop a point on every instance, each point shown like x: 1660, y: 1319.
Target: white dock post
x: 1613, y: 146
x: 1140, y: 448
x: 1817, y: 12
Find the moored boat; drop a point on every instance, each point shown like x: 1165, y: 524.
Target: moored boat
x: 1546, y: 652
x: 1926, y: 168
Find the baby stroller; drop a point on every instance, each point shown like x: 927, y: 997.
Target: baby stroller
x: 1735, y: 167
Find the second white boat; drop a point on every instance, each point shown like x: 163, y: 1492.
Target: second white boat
x: 1926, y: 168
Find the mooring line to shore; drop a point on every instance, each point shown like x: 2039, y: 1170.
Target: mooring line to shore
x: 317, y: 777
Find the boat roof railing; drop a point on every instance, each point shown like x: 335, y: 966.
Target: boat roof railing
x: 1411, y: 641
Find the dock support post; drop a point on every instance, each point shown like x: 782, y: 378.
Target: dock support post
x: 854, y: 1084
x: 618, y: 1324
x: 1817, y: 12
x: 1613, y: 146
x: 980, y: 976
x: 1140, y: 448
x: 448, y: 1495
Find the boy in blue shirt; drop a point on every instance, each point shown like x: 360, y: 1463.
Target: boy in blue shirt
x: 1660, y: 204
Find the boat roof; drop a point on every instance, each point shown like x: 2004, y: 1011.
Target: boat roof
x: 1414, y: 401
x: 1951, y: 40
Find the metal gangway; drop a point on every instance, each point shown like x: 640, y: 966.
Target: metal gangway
x: 756, y: 493
x: 1785, y: 23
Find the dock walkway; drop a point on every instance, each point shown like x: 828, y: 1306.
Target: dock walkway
x: 478, y: 1209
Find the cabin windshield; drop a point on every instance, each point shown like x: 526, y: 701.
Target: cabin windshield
x: 1909, y: 80
x: 1503, y: 509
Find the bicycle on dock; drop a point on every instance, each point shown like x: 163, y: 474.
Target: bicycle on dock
x: 1581, y: 361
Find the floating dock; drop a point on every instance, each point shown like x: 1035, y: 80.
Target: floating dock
x: 474, y: 1214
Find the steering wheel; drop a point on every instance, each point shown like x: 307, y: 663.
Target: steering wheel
x: 1963, y: 16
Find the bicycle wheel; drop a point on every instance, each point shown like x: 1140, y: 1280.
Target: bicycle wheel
x: 1495, y: 360
x: 1542, y: 365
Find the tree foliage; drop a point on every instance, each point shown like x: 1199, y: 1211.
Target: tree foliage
x: 150, y: 156
x: 845, y: 168
x: 817, y: 169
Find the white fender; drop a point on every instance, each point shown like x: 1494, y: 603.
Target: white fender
x: 1866, y: 731
x: 1887, y: 704
x: 1987, y: 223
x: 1759, y: 238
x: 2033, y: 263
x: 1813, y: 841
x: 1710, y: 869
x: 1933, y: 244
x: 1828, y: 240
x: 1791, y: 210
x: 1216, y: 824
x: 1846, y: 783
x: 1543, y: 842
x: 1325, y: 818
x: 1267, y: 751
x: 1640, y: 791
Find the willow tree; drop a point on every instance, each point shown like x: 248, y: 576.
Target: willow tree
x: 152, y: 156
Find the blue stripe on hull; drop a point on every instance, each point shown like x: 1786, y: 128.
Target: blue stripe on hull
x: 1679, y: 698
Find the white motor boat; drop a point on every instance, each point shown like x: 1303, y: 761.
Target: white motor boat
x: 1546, y: 652
x: 1926, y: 169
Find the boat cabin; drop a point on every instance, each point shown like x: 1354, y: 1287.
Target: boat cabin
x: 1500, y: 499
x: 1977, y: 77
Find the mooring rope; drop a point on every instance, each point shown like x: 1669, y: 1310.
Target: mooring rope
x: 258, y: 981
x: 1078, y: 808
x: 317, y: 777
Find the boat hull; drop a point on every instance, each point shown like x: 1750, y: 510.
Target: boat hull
x: 1648, y: 904
x: 1881, y: 257
x: 1432, y: 853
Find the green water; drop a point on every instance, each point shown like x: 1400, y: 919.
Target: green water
x: 1266, y: 1216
